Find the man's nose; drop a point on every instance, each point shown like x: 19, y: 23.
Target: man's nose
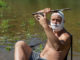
x: 55, y: 21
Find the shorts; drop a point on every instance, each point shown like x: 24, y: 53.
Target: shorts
x: 35, y: 56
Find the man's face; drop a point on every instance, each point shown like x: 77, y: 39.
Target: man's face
x: 56, y: 19
x: 57, y: 22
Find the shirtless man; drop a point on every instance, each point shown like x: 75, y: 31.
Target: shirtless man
x: 58, y: 40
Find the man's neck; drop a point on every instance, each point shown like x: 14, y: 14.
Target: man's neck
x: 58, y: 33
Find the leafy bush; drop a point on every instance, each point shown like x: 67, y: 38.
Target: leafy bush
x: 2, y: 4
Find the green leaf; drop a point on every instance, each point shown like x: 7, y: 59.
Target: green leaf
x: 8, y: 48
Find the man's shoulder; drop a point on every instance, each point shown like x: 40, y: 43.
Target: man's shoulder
x: 66, y: 33
x: 66, y: 36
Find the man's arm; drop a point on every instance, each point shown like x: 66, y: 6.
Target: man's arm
x: 54, y: 41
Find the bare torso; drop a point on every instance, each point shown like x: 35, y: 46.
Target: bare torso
x: 58, y: 42
x: 50, y: 53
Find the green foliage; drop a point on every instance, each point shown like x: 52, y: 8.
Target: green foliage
x: 31, y: 22
x: 2, y: 3
x: 8, y: 48
x: 4, y: 25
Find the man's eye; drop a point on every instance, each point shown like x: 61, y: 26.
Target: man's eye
x: 53, y: 19
x: 58, y: 20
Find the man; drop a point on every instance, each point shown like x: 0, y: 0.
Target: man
x: 58, y: 39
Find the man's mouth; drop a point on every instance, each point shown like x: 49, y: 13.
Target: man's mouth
x: 56, y: 25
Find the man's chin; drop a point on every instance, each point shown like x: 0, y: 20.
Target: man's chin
x: 56, y: 30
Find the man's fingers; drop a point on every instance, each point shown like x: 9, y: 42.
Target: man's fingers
x: 44, y: 15
x: 36, y: 17
x: 40, y: 16
x: 41, y: 10
x: 46, y: 10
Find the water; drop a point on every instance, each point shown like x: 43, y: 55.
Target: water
x: 23, y: 25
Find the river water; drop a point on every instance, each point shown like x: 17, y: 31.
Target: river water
x: 23, y: 25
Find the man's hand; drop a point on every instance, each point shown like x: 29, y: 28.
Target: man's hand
x: 42, y: 19
x: 46, y: 10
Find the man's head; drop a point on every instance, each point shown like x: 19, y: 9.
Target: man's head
x: 57, y: 21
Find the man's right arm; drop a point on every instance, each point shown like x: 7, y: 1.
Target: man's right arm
x: 50, y: 35
x: 54, y: 41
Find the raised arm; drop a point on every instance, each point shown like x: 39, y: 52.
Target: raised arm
x: 54, y: 41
